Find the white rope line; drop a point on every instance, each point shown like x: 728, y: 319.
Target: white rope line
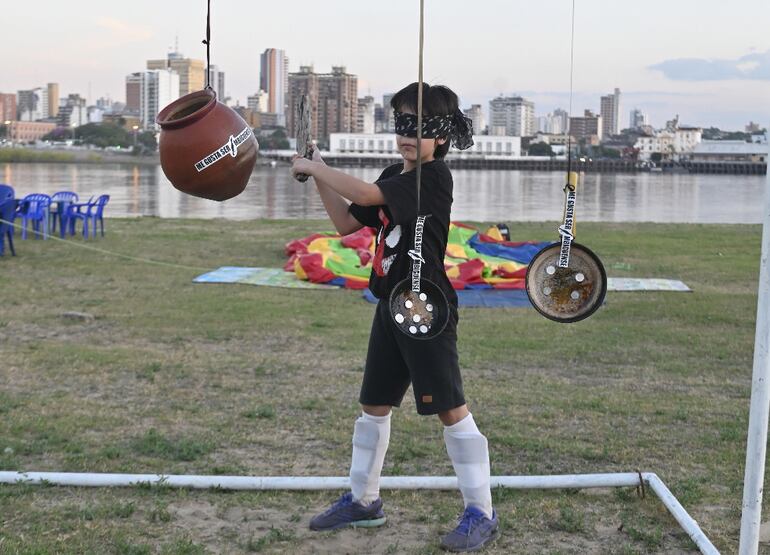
x: 105, y: 251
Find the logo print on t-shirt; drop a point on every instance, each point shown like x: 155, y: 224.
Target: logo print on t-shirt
x: 390, y: 240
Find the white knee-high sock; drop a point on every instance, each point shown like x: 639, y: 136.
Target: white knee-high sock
x: 370, y: 442
x: 468, y: 450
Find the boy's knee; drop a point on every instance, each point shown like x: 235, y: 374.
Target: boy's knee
x: 376, y: 410
x: 453, y: 416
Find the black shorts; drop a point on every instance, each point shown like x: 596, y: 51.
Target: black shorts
x: 395, y: 360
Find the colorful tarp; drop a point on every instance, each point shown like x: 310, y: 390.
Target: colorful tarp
x: 473, y: 260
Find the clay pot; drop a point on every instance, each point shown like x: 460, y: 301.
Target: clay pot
x: 206, y: 149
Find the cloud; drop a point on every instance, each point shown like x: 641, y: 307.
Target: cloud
x: 754, y: 66
x: 123, y: 31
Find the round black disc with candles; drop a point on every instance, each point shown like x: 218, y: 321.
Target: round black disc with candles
x: 566, y: 294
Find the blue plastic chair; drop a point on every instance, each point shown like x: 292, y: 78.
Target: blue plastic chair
x: 7, y: 213
x: 62, y: 199
x: 89, y: 213
x: 35, y: 208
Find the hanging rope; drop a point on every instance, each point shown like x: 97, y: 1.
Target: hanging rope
x: 419, y: 103
x: 569, y: 112
x: 207, y: 42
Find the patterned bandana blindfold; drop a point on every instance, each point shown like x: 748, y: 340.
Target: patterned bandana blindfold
x: 458, y: 127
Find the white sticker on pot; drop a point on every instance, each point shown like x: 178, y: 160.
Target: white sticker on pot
x: 230, y: 147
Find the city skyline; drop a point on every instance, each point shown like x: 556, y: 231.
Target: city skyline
x: 663, y: 64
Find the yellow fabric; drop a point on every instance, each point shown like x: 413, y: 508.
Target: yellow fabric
x: 495, y: 234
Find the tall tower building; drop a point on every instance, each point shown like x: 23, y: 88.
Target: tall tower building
x: 152, y: 91
x: 610, y: 112
x: 477, y: 117
x: 217, y: 82
x: 192, y: 73
x: 7, y: 107
x: 333, y: 100
x: 257, y: 102
x: 53, y: 99
x: 513, y: 116
x: 32, y: 104
x: 365, y: 115
x: 133, y: 92
x: 637, y: 119
x: 389, y: 122
x: 274, y: 79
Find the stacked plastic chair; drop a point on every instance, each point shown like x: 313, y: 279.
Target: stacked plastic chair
x: 63, y: 200
x: 90, y: 214
x: 7, y: 212
x: 35, y: 208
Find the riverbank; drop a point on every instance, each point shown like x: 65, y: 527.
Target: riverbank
x: 162, y: 375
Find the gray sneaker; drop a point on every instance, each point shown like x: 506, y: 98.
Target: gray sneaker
x: 474, y: 530
x: 345, y: 512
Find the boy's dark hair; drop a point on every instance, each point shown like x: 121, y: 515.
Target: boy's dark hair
x: 436, y: 101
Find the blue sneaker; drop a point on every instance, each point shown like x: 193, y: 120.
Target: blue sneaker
x: 474, y: 530
x: 345, y: 512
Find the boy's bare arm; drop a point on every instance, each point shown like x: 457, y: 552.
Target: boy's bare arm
x: 352, y: 188
x: 337, y: 208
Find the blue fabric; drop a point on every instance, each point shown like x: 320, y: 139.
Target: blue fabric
x: 489, y: 298
x: 522, y: 254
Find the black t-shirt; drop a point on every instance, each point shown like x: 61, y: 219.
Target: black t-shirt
x: 395, y: 223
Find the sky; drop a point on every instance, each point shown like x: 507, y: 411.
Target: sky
x: 706, y: 60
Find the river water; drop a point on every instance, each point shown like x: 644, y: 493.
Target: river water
x: 482, y: 195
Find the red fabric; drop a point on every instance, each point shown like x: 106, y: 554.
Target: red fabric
x: 514, y: 284
x: 364, y: 255
x: 360, y: 239
x: 466, y: 226
x: 471, y: 271
x: 458, y: 283
x: 299, y: 246
x: 484, y: 238
x: 521, y: 273
x: 377, y: 263
x: 356, y: 283
x: 312, y: 264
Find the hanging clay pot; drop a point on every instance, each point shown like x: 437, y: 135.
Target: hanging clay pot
x: 206, y: 149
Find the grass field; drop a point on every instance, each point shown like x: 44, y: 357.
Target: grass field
x: 175, y: 377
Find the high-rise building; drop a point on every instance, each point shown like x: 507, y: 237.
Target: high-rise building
x: 587, y: 127
x: 554, y: 123
x: 53, y: 99
x: 73, y: 112
x: 389, y: 122
x: 274, y: 79
x: 559, y: 122
x: 365, y: 115
x: 32, y: 104
x: 257, y: 102
x: 610, y: 112
x: 7, y: 107
x: 512, y: 116
x: 192, y: 73
x: 134, y: 92
x: 333, y: 100
x: 217, y: 82
x: 154, y: 90
x: 477, y: 117
x: 637, y: 119
x: 379, y: 118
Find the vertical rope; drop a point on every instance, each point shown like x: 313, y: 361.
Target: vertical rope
x: 419, y: 104
x: 569, y: 112
x: 207, y: 42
